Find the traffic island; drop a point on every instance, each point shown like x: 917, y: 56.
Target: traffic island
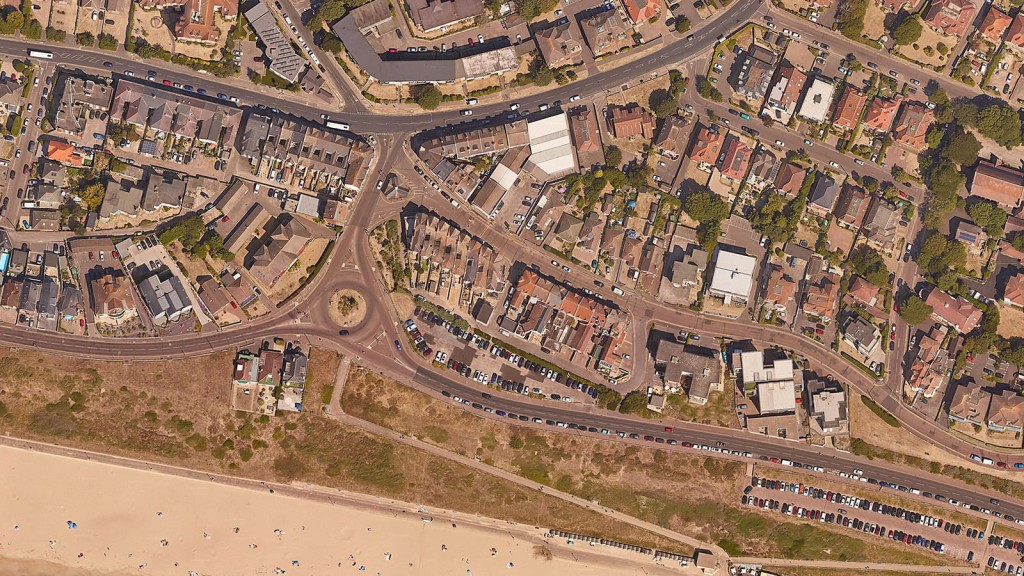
x: 347, y: 308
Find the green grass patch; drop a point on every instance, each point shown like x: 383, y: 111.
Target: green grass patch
x: 881, y: 412
x: 436, y: 434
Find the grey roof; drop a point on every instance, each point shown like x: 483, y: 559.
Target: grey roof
x: 70, y: 300
x: 48, y: 297
x: 295, y: 367
x: 164, y: 297
x: 860, y: 330
x: 391, y: 71
x: 283, y: 60
x: 433, y: 14
x: 164, y: 190
x: 121, y: 198
x: 52, y: 172
x: 79, y: 98
x: 679, y: 361
x: 245, y: 230
x: 824, y: 193
x: 371, y: 14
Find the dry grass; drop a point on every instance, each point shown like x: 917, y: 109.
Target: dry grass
x: 690, y: 494
x: 293, y: 278
x: 719, y: 410
x: 931, y: 38
x: 347, y: 307
x: 161, y: 412
x: 1011, y: 322
x: 874, y: 22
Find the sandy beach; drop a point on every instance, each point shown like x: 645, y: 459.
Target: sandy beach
x: 63, y: 516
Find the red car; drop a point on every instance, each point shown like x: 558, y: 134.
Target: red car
x: 892, y: 335
x: 167, y: 83
x: 668, y: 429
x: 392, y: 50
x: 819, y: 331
x: 470, y: 41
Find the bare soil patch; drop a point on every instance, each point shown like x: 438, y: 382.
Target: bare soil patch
x: 347, y: 308
x: 1011, y: 322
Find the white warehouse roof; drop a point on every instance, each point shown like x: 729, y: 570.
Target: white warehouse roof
x: 733, y: 275
x: 551, y: 145
x: 817, y: 100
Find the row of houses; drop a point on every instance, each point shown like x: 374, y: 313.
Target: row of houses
x: 269, y: 380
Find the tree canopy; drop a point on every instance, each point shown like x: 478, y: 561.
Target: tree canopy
x: 428, y: 97
x: 908, y: 31
x: 866, y: 262
x: 988, y: 215
x: 709, y: 210
x: 914, y: 310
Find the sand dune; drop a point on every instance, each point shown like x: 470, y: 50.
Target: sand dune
x: 138, y: 522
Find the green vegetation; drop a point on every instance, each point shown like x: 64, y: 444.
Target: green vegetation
x: 196, y: 240
x: 867, y: 262
x: 268, y: 78
x: 707, y: 90
x: 85, y: 39
x: 55, y: 35
x: 427, y: 96
x: 531, y: 9
x: 444, y: 313
x: 778, y: 218
x: 612, y: 156
x: 682, y: 25
x: 941, y: 259
x: 881, y: 412
x: 329, y: 11
x: 12, y: 20
x: 914, y: 310
x: 709, y: 210
x: 223, y: 68
x: 907, y: 31
x: 107, y: 42
x: 32, y: 29
x: 636, y: 403
x: 988, y: 215
x: 850, y: 18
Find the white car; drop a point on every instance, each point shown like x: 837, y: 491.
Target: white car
x: 574, y: 98
x: 780, y: 143
x: 514, y: 106
x: 466, y: 112
x: 833, y: 164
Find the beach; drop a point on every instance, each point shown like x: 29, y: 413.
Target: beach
x: 64, y: 516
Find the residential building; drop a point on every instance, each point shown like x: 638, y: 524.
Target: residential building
x: 880, y: 223
x: 449, y: 263
x: 1013, y: 290
x: 606, y: 32
x: 735, y: 158
x: 779, y: 290
x: 164, y: 191
x: 688, y: 271
x: 706, y: 147
x: 371, y: 15
x: 1015, y: 33
x: 691, y: 368
x: 790, y: 179
x: 828, y: 406
x: 640, y: 11
x: 64, y: 152
x: 764, y: 167
x: 849, y: 108
x: 631, y: 122
x: 862, y: 335
x: 822, y: 197
x: 670, y: 146
x: 304, y: 155
x: 773, y: 382
x: 122, y: 197
x: 551, y: 152
x: 586, y: 136
x: 112, y: 301
x: 44, y: 220
x: 245, y: 229
x: 852, y: 206
x: 580, y: 329
x: 950, y: 17
x: 196, y: 18
x: 817, y: 101
x: 972, y: 235
x: 10, y: 96
x: 787, y: 88
x: 440, y: 15
x: 1006, y: 412
x: 756, y: 67
x: 733, y: 276
x: 822, y: 297
x: 467, y: 144
x: 165, y: 297
x: 80, y: 99
x: 277, y: 48
x: 956, y: 311
x: 156, y: 111
x: 863, y: 291
x: 293, y: 380
x: 215, y: 298
x: 280, y: 247
x: 912, y: 125
x: 881, y: 113
x: 559, y: 44
x: 970, y: 404
x: 1000, y: 184
x: 931, y: 363
x: 995, y: 24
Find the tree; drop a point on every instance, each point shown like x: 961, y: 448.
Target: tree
x: 868, y: 263
x: 961, y: 147
x: 32, y: 29
x: 428, y: 96
x: 107, y: 42
x: 938, y: 97
x: 851, y: 19
x: 612, y: 156
x: 914, y: 310
x: 908, y: 31
x: 543, y: 75
x: 1014, y: 352
x: 665, y: 108
x: 682, y: 25
x: 634, y: 403
x: 706, y: 89
x: 988, y: 215
x: 85, y: 39
x: 1001, y: 123
x: 12, y: 21
x: 705, y: 206
x: 55, y: 35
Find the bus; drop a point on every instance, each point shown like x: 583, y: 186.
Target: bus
x: 337, y: 125
x: 40, y: 54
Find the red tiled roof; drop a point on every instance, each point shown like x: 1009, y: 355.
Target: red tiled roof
x: 707, y: 145
x: 863, y: 291
x: 736, y: 160
x: 641, y: 10
x: 994, y: 24
x: 912, y: 125
x: 789, y: 179
x: 951, y: 16
x: 1013, y: 292
x: 849, y: 107
x: 1000, y: 184
x: 1015, y: 35
x: 881, y: 112
x: 954, y: 310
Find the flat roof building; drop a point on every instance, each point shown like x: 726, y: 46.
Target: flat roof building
x: 284, y: 60
x: 733, y: 276
x: 817, y: 101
